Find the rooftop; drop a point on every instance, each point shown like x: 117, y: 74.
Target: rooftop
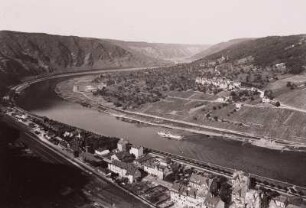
x: 184, y: 190
x: 198, y: 179
x: 131, y: 169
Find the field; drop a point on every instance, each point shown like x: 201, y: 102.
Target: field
x: 292, y: 97
x: 259, y: 120
x: 253, y: 118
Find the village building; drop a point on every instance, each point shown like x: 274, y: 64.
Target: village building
x: 122, y: 156
x: 238, y: 106
x: 63, y: 144
x: 252, y: 199
x: 199, y: 182
x: 278, y: 202
x: 102, y: 152
x: 240, y: 187
x: 221, y: 83
x: 139, y: 161
x: 125, y: 170
x: 122, y: 145
x: 213, y: 202
x: 183, y: 196
x: 137, y: 151
x: 156, y: 167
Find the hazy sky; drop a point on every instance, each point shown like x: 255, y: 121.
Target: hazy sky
x: 168, y: 21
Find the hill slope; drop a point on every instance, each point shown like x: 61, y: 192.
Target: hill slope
x: 170, y: 52
x: 23, y: 54
x: 268, y: 51
x: 218, y: 47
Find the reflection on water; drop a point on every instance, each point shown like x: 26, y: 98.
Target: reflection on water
x: 40, y: 99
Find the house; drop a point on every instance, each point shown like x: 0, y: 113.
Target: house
x: 279, y: 202
x: 240, y: 187
x: 122, y: 156
x: 122, y: 145
x: 252, y: 199
x: 182, y: 195
x: 125, y: 170
x: 139, y: 161
x: 238, y: 106
x: 137, y: 151
x: 199, y: 181
x: 154, y: 166
x: 101, y: 152
x: 63, y: 144
x: 213, y: 202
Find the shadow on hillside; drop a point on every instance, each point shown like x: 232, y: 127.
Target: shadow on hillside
x: 28, y: 181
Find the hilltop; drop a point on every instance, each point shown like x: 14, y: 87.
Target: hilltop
x: 26, y: 54
x: 217, y: 48
x: 176, y: 53
x: 268, y: 51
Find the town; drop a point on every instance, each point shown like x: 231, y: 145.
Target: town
x: 156, y: 178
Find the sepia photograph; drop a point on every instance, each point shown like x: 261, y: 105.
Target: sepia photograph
x: 153, y: 104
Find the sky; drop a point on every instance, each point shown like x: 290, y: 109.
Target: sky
x: 162, y: 21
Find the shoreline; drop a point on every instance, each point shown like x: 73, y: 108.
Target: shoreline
x: 151, y: 120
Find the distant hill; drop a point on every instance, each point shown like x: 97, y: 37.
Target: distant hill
x: 217, y: 47
x: 23, y: 54
x: 176, y: 53
x: 268, y: 51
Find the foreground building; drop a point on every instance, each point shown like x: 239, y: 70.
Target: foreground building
x: 199, y: 182
x: 125, y: 170
x: 213, y: 202
x: 184, y: 196
x: 155, y: 167
x: 137, y: 151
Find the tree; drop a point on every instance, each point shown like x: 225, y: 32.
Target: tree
x: 214, y: 188
x: 226, y: 193
x: 277, y: 104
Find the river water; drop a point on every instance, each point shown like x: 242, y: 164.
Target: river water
x: 41, y: 99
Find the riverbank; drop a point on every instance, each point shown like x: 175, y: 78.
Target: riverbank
x: 73, y: 90
x: 40, y: 99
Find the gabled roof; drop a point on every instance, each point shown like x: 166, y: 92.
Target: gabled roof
x: 144, y: 158
x: 184, y: 190
x: 122, y: 155
x: 131, y: 169
x: 198, y: 179
x: 122, y: 141
x: 212, y: 201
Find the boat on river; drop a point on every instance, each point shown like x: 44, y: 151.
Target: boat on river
x: 268, y: 143
x: 168, y: 135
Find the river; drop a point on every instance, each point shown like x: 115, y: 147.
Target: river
x: 41, y: 99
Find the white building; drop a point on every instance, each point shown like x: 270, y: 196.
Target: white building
x: 125, y: 170
x: 122, y: 145
x: 155, y: 167
x: 101, y: 152
x: 252, y: 199
x: 137, y: 151
x: 279, y: 202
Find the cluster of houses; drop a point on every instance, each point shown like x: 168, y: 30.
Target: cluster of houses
x: 221, y: 83
x: 130, y: 161
x: 195, y: 193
